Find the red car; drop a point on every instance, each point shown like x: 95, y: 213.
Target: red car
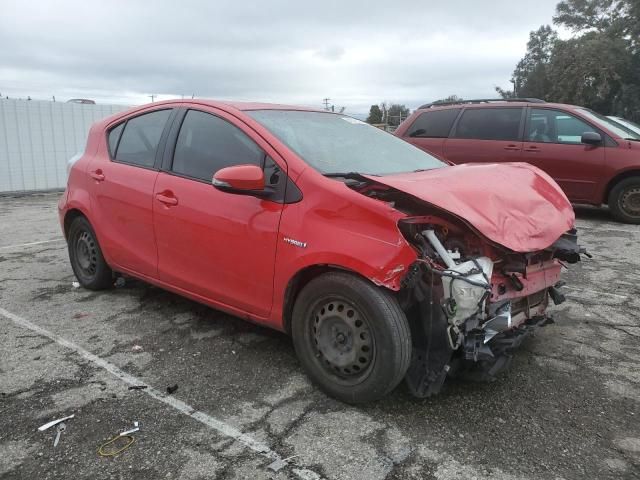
x: 381, y: 261
x: 593, y: 158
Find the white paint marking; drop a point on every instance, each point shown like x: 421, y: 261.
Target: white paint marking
x: 218, y: 425
x: 22, y: 245
x: 616, y: 295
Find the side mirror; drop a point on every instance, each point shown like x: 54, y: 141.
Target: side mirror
x: 591, y: 138
x: 418, y: 133
x: 247, y: 179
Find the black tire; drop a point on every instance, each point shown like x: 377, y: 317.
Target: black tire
x: 86, y: 258
x: 352, y: 337
x: 624, y: 200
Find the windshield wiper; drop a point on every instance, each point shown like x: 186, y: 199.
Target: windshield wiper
x: 355, y: 175
x: 633, y: 139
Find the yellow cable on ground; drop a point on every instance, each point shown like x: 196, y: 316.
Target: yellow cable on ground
x: 129, y: 439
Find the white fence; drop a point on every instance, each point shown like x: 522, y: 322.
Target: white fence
x: 38, y: 137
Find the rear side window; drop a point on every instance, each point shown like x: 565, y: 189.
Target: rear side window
x: 114, y: 136
x: 436, y: 124
x: 490, y: 124
x: 207, y: 143
x: 139, y: 141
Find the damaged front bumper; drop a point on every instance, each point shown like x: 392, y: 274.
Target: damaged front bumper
x: 470, y: 316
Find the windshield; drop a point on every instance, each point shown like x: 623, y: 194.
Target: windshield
x: 614, y: 127
x: 333, y: 143
x: 626, y: 123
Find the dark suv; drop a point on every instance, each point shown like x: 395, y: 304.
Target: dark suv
x: 594, y: 159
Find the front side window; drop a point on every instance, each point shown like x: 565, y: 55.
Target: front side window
x: 332, y: 143
x: 207, y: 143
x: 555, y: 126
x: 436, y: 124
x: 140, y: 139
x: 490, y: 124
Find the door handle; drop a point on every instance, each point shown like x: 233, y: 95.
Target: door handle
x: 513, y: 148
x: 167, y: 198
x: 97, y: 175
x: 532, y: 149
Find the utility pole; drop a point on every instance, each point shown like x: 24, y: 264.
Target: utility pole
x: 326, y: 103
x: 152, y: 97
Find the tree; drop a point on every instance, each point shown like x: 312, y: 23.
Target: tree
x: 450, y: 98
x: 599, y: 67
x: 375, y: 115
x: 530, y: 78
x: 396, y: 114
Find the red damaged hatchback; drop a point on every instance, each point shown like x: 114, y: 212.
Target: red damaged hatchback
x: 382, y: 262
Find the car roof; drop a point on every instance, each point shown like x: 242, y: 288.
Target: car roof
x: 243, y: 106
x: 496, y: 103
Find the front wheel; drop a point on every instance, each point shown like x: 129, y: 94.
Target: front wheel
x: 624, y: 200
x: 351, y: 337
x: 86, y: 258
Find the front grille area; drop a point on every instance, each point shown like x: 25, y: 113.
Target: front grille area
x: 524, y: 304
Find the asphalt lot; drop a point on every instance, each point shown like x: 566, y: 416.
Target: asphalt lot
x: 568, y: 408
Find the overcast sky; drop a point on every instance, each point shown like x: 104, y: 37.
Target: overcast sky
x: 289, y: 51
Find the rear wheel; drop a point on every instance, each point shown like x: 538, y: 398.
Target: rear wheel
x: 351, y: 337
x: 624, y: 200
x: 86, y: 258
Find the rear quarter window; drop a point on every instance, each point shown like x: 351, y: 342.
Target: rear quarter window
x: 114, y: 136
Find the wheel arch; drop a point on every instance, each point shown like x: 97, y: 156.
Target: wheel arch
x: 617, y: 179
x: 69, y: 217
x: 300, y: 279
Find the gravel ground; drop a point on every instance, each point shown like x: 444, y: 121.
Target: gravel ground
x: 568, y: 407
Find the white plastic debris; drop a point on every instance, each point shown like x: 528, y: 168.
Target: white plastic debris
x: 133, y: 430
x: 279, y: 463
x: 60, y: 428
x: 54, y: 422
x: 75, y: 284
x: 137, y: 349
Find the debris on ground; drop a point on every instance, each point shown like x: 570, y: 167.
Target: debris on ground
x: 46, y: 426
x: 80, y: 315
x: 75, y: 284
x: 126, y: 441
x: 120, y: 282
x: 133, y: 430
x: 60, y: 428
x: 171, y: 389
x: 137, y: 387
x: 137, y: 349
x: 119, y: 443
x: 280, y: 463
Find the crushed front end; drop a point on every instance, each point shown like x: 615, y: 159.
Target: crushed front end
x: 472, y: 302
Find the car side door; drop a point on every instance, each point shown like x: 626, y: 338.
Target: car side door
x: 430, y: 129
x: 553, y: 144
x: 486, y: 134
x: 122, y: 180
x: 215, y: 245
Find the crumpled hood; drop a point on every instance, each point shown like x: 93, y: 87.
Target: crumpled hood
x: 513, y: 204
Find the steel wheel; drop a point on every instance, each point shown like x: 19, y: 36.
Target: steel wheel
x: 87, y: 254
x: 624, y: 200
x: 343, y: 339
x: 87, y: 261
x: 630, y: 202
x: 351, y: 337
